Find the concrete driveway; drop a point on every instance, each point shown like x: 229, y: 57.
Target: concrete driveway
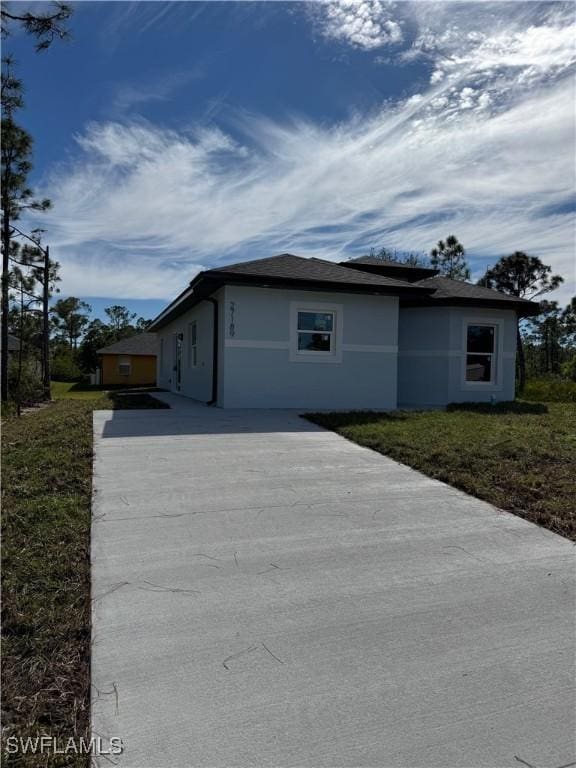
x: 266, y: 594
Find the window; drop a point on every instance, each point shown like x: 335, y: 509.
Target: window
x: 315, y: 332
x: 124, y: 366
x: 480, y: 354
x: 193, y: 342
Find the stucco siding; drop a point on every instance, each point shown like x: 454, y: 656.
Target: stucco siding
x: 196, y: 380
x: 384, y: 357
x: 432, y: 356
x: 261, y: 370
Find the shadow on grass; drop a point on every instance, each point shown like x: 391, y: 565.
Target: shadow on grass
x: 336, y: 419
x: 134, y: 400
x: 513, y: 406
x: 81, y: 387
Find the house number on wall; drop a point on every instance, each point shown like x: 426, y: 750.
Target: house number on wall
x: 232, y: 328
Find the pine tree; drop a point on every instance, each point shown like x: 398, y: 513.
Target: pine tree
x: 526, y: 277
x: 449, y: 258
x: 16, y: 195
x: 45, y: 27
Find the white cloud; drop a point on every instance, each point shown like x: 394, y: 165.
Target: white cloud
x: 486, y: 152
x: 496, y: 46
x: 365, y: 24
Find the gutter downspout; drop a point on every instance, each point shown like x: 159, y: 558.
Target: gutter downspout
x: 214, y: 303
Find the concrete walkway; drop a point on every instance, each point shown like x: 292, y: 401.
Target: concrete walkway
x: 268, y: 594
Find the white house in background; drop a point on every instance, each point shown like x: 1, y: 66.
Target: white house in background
x: 290, y: 332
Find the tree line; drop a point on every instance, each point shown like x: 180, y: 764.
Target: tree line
x: 29, y: 276
x: 76, y: 338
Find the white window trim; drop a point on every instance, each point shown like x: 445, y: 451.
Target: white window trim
x: 497, y: 356
x: 124, y: 364
x: 308, y: 356
x: 192, y: 348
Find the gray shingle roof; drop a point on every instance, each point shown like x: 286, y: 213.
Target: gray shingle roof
x: 446, y: 288
x: 374, y: 261
x: 13, y: 343
x: 418, y: 285
x: 289, y: 267
x: 140, y: 344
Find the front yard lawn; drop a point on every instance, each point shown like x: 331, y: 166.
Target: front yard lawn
x: 46, y: 500
x: 517, y: 456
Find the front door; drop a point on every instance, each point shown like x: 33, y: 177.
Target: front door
x: 177, y: 367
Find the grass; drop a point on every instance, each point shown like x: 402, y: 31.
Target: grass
x: 518, y: 456
x: 78, y: 391
x: 71, y: 390
x: 550, y: 390
x: 46, y: 500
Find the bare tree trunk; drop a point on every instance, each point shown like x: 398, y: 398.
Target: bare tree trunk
x: 521, y: 360
x: 46, y: 328
x: 20, y: 350
x: 4, y: 300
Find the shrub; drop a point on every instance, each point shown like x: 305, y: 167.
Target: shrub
x: 569, y: 369
x: 64, y: 368
x: 552, y: 390
x: 25, y: 384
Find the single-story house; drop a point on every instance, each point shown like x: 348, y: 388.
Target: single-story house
x: 130, y: 361
x: 13, y: 345
x: 292, y: 332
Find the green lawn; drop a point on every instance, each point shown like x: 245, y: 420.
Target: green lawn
x: 518, y: 456
x: 107, y: 397
x: 550, y: 390
x: 71, y: 390
x: 46, y: 499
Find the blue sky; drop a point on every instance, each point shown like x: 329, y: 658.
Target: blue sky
x: 176, y: 136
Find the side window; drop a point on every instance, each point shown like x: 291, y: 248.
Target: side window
x: 193, y: 342
x: 481, y: 341
x: 161, y: 356
x: 124, y: 366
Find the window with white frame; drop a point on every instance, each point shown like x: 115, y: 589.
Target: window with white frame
x: 481, y: 341
x: 316, y: 332
x: 193, y: 344
x: 124, y: 366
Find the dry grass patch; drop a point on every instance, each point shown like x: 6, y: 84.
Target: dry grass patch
x: 46, y: 500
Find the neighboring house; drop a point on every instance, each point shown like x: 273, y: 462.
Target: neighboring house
x: 13, y: 345
x: 129, y: 361
x: 290, y: 332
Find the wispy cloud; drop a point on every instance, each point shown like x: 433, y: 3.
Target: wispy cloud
x: 159, y: 88
x: 485, y: 151
x: 136, y: 17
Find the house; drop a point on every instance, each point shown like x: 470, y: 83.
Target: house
x: 131, y: 361
x: 13, y: 345
x: 291, y: 332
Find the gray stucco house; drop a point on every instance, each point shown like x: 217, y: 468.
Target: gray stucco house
x: 291, y: 332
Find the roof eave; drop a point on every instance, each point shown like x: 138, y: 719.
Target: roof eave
x: 206, y: 283
x: 267, y: 281
x: 203, y: 285
x: 522, y: 308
